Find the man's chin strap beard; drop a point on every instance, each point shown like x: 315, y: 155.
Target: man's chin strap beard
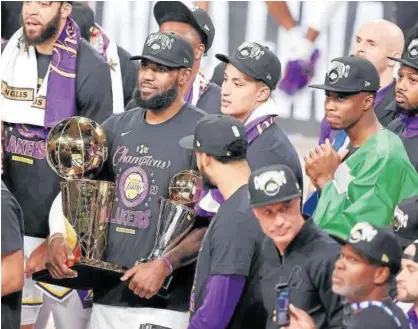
x: 159, y: 102
x: 51, y: 30
x: 411, y: 112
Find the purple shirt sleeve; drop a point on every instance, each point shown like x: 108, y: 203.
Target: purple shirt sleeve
x: 222, y: 296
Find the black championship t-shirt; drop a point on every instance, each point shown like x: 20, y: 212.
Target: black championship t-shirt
x: 375, y: 317
x: 27, y: 173
x: 11, y: 240
x: 143, y: 158
x: 232, y: 246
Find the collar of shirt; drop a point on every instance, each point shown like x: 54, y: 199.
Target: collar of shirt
x: 306, y: 234
x: 381, y: 93
x: 413, y: 318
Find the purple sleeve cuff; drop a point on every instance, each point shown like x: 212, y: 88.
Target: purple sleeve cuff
x: 222, y: 296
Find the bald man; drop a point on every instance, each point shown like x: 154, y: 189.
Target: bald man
x: 376, y: 41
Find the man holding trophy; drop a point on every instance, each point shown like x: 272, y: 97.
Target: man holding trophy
x: 151, y: 229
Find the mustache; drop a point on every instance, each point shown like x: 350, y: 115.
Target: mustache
x: 402, y: 94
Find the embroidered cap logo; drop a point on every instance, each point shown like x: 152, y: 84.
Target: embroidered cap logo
x: 250, y: 50
x: 413, y: 49
x: 270, y: 182
x: 337, y: 71
x: 158, y: 42
x: 362, y: 232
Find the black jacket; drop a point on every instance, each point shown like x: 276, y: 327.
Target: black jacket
x: 314, y: 253
x: 386, y: 109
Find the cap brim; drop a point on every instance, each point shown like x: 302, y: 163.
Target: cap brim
x: 156, y: 60
x: 404, y: 62
x: 276, y: 200
x: 241, y: 67
x: 336, y: 89
x: 187, y: 142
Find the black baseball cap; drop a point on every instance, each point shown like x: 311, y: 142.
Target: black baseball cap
x: 413, y: 258
x: 378, y: 244
x: 214, y: 134
x: 273, y: 184
x: 179, y: 12
x: 167, y: 49
x: 84, y: 17
x: 406, y: 221
x: 256, y: 61
x: 350, y: 74
x: 409, y: 56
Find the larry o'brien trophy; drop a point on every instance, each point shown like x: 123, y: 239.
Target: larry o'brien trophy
x: 76, y: 151
x: 176, y: 217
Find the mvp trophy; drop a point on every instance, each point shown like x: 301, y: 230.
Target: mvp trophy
x: 176, y: 217
x: 76, y: 151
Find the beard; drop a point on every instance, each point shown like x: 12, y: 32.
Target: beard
x: 158, y: 102
x: 410, y: 112
x: 49, y: 30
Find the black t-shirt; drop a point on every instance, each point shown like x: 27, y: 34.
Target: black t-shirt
x: 142, y: 160
x: 210, y: 101
x: 27, y: 174
x: 11, y: 240
x: 410, y: 143
x: 274, y: 147
x: 312, y: 255
x: 232, y: 246
x: 375, y: 317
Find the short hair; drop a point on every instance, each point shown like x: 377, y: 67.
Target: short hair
x: 175, y: 17
x: 238, y: 151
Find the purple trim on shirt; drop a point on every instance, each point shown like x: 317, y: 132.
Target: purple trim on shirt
x: 411, y: 126
x: 223, y: 293
x: 328, y: 132
x: 413, y: 318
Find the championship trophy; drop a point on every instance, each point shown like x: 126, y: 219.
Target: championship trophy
x: 76, y: 151
x: 176, y: 217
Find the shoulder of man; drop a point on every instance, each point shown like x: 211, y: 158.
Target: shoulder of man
x: 210, y: 100
x: 88, y: 58
x: 194, y: 111
x: 396, y: 126
x: 373, y: 318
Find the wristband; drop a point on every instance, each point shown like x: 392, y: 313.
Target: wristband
x: 55, y: 236
x: 167, y: 262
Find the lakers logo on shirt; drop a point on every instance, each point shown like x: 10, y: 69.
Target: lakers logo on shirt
x: 133, y: 186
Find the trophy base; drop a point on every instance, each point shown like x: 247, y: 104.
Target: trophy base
x: 91, y: 274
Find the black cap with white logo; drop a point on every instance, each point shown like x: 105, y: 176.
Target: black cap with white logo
x: 406, y: 221
x: 273, y: 184
x: 178, y: 11
x: 378, y: 244
x: 409, y: 56
x: 256, y: 61
x: 215, y: 134
x: 167, y: 49
x: 350, y: 74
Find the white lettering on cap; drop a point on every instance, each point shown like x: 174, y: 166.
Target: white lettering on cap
x: 362, y: 232
x: 270, y: 182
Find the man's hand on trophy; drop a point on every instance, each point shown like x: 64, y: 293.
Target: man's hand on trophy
x: 147, y: 278
x: 37, y: 260
x: 60, y: 256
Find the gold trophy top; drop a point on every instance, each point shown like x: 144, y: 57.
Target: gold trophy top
x: 185, y: 188
x: 77, y: 148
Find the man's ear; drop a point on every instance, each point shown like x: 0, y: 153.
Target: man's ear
x: 66, y: 9
x: 184, y: 76
x: 199, y: 52
x: 263, y: 93
x: 391, y: 62
x: 368, y: 102
x: 381, y: 275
